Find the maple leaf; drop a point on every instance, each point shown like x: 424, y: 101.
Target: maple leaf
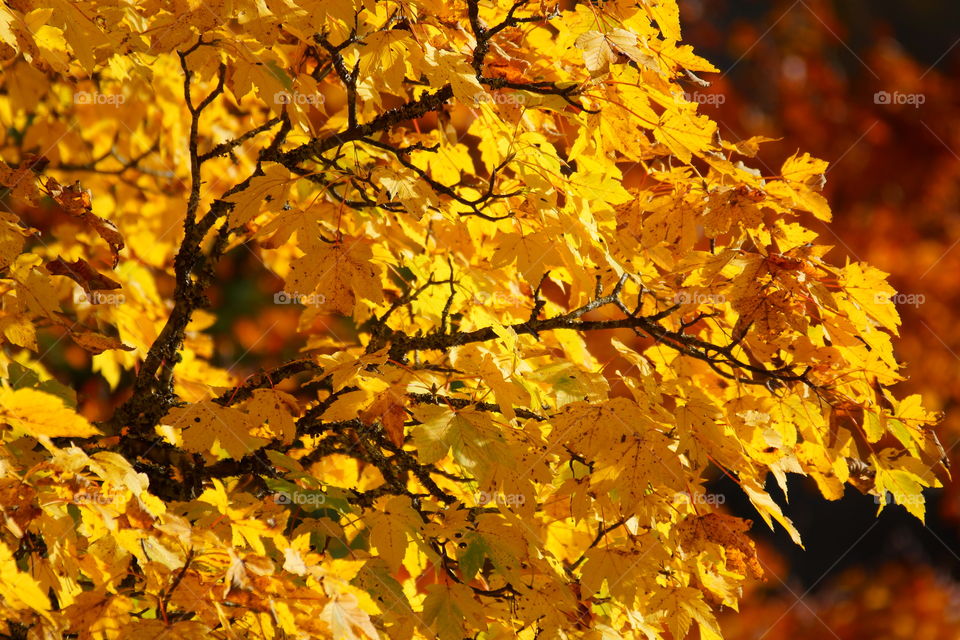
x: 448, y: 609
x: 728, y: 207
x: 21, y: 182
x: 730, y: 533
x: 81, y: 272
x: 97, y: 343
x: 341, y: 272
x: 19, y: 588
x: 12, y: 238
x: 686, y: 134
x: 600, y: 50
x: 271, y: 187
x: 203, y: 424
x: 803, y: 177
x: 37, y: 414
x: 449, y: 67
x: 276, y: 409
x: 77, y: 201
x: 667, y: 15
x: 768, y: 509
x: 346, y: 620
x: 389, y: 410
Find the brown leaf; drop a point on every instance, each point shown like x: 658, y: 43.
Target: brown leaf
x: 389, y: 409
x: 729, y: 532
x: 83, y: 274
x: 77, y: 201
x: 73, y: 198
x: 35, y: 162
x: 108, y: 231
x: 97, y: 343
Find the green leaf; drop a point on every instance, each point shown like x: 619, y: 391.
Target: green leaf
x: 472, y: 558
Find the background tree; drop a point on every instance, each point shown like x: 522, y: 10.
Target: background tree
x: 538, y: 298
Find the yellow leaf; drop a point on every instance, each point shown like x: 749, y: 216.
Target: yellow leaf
x: 275, y: 409
x: 453, y: 68
x: 867, y: 287
x: 205, y: 423
x: 341, y: 273
x: 346, y: 620
x: 11, y: 234
x: 19, y: 330
x: 269, y: 188
x: 803, y: 177
x: 40, y: 414
x: 600, y: 50
x: 20, y: 589
x: 767, y: 508
x: 388, y: 531
x: 667, y: 15
x: 684, y: 133
x: 448, y: 609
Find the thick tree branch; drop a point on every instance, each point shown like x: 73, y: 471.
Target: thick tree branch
x: 401, y: 344
x: 414, y: 109
x: 226, y: 147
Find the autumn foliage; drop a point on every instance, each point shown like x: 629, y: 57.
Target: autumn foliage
x: 537, y: 299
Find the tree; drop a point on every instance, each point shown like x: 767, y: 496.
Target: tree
x: 568, y: 300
